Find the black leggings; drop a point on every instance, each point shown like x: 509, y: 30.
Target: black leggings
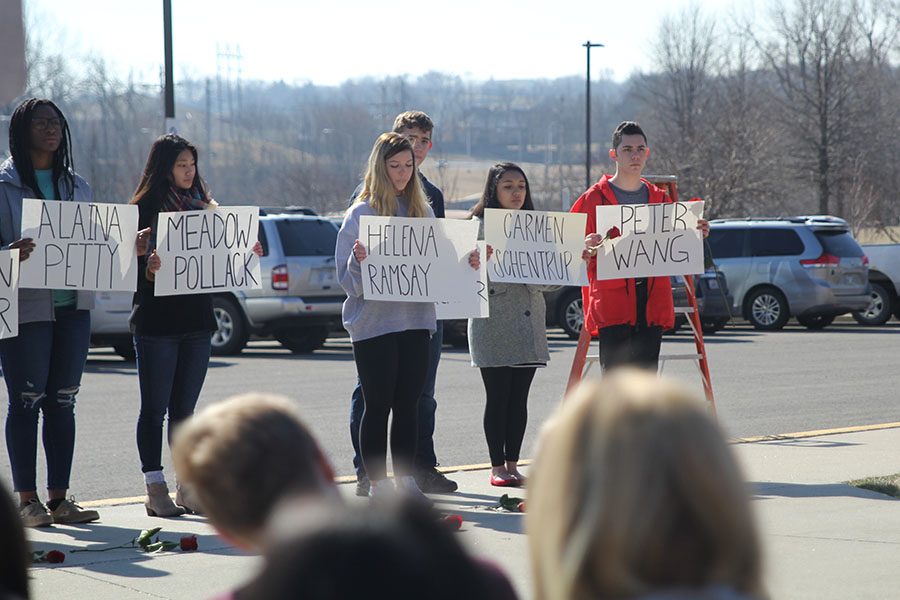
x: 506, y: 410
x: 392, y: 370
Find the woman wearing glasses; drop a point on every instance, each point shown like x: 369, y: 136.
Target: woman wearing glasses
x: 43, y: 365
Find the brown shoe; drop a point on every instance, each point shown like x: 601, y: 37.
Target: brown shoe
x: 159, y: 503
x: 186, y: 499
x: 69, y: 513
x: 34, y: 514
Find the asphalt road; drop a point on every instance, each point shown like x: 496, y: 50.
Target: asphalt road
x: 765, y: 383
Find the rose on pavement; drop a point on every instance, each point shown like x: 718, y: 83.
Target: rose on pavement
x: 188, y: 543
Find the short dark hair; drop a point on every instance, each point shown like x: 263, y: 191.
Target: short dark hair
x: 413, y: 119
x: 489, y: 195
x: 626, y: 128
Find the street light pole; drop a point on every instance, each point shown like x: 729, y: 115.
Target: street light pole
x: 169, y: 91
x: 587, y: 116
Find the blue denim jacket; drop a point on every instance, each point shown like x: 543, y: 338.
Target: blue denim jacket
x: 34, y: 305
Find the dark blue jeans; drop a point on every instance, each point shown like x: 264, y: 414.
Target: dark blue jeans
x: 171, y: 371
x: 425, y: 455
x: 43, y: 368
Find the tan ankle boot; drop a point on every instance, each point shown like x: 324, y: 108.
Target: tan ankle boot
x: 186, y: 499
x: 159, y: 503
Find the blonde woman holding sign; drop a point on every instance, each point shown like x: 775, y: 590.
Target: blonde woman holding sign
x: 510, y: 345
x: 390, y: 339
x: 171, y: 333
x: 44, y: 364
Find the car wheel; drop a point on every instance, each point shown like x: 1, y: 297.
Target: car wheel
x: 767, y: 309
x: 816, y: 321
x: 126, y: 351
x: 231, y: 333
x: 303, y: 340
x: 879, y: 310
x: 710, y: 327
x: 570, y: 314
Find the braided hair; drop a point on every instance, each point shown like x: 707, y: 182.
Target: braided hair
x: 20, y: 149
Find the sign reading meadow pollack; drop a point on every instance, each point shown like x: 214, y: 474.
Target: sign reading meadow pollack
x: 536, y: 247
x: 207, y: 251
x: 475, y: 303
x: 80, y: 245
x: 9, y: 293
x: 416, y: 260
x: 649, y: 240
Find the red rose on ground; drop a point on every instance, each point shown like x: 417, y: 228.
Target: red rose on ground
x: 188, y: 543
x: 454, y: 522
x: 613, y: 233
x: 521, y: 506
x: 55, y: 556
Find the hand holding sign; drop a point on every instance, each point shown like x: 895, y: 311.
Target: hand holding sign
x: 143, y: 241
x: 25, y: 246
x: 359, y: 251
x: 649, y: 240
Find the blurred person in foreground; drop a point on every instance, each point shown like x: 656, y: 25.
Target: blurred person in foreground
x: 636, y: 494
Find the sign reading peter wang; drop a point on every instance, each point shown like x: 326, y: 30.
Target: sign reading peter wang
x: 537, y: 247
x: 206, y: 251
x: 417, y: 260
x: 9, y: 293
x: 80, y: 245
x: 649, y: 240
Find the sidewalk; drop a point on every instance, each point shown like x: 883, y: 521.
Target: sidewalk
x: 823, y: 539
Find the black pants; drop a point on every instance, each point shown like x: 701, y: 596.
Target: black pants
x: 506, y: 410
x: 392, y: 369
x: 632, y: 345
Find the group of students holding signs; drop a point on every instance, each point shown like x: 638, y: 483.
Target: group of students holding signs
x: 403, y: 270
x: 170, y: 244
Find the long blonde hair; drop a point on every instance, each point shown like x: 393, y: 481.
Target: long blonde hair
x: 635, y: 490
x: 377, y: 188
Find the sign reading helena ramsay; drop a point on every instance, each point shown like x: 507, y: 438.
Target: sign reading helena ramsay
x: 80, y: 245
x: 538, y: 247
x: 416, y: 260
x: 649, y: 240
x: 206, y: 251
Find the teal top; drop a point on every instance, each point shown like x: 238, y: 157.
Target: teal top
x: 45, y: 182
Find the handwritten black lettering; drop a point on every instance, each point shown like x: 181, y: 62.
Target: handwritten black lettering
x: 4, y: 308
x: 402, y: 240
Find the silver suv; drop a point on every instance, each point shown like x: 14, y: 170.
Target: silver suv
x: 808, y: 267
x: 299, y: 302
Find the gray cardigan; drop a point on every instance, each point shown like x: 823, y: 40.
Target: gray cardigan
x: 34, y: 305
x: 516, y: 331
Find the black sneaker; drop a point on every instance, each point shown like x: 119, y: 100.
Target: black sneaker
x: 362, y: 487
x: 432, y: 481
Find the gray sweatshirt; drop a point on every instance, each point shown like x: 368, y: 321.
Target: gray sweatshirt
x: 365, y: 319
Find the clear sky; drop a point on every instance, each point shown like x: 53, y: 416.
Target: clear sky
x: 329, y: 41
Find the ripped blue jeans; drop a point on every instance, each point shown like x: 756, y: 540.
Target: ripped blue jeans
x: 42, y: 368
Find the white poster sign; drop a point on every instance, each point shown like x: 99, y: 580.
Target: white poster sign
x: 206, y: 251
x: 80, y: 245
x: 9, y: 293
x: 475, y: 304
x: 649, y: 240
x: 416, y: 260
x: 537, y: 247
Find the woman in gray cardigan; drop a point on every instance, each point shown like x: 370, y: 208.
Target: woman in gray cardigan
x: 511, y: 344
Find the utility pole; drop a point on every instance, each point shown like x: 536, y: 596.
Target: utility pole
x: 587, y: 117
x: 169, y: 91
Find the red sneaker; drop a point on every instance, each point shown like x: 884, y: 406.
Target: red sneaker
x: 500, y: 481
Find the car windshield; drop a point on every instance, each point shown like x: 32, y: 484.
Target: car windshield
x: 839, y: 243
x: 307, y: 237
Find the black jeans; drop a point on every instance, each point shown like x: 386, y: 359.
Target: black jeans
x: 392, y: 369
x: 506, y: 410
x: 632, y: 345
x: 171, y: 372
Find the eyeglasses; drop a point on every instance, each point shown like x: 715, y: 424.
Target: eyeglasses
x: 42, y: 124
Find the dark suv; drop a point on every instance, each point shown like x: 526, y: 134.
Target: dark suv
x: 808, y: 267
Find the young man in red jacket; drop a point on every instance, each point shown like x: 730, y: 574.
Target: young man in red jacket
x: 630, y: 315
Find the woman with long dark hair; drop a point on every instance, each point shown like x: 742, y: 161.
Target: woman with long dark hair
x: 43, y: 364
x: 509, y: 346
x: 171, y: 333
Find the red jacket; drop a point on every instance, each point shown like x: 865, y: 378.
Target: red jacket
x: 612, y: 301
